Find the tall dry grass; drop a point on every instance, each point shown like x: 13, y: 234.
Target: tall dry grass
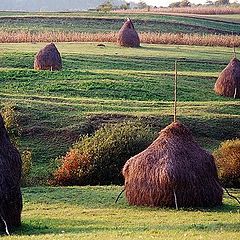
x: 152, y: 38
x: 205, y: 10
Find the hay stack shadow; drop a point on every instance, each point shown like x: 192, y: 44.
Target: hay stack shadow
x: 10, y: 175
x: 48, y: 58
x: 127, y: 35
x: 228, y: 82
x: 174, y: 169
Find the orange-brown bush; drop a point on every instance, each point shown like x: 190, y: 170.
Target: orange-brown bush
x: 98, y: 159
x: 227, y: 158
x: 145, y: 37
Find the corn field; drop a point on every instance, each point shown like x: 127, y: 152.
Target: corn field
x: 205, y: 10
x: 152, y: 38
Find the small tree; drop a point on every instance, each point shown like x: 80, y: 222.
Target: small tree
x: 209, y: 3
x: 125, y: 6
x: 174, y: 5
x: 222, y: 2
x: 105, y: 7
x: 185, y: 3
x: 142, y: 5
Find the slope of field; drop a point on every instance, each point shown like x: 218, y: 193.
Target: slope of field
x: 105, y: 22
x: 105, y: 84
x: 90, y: 213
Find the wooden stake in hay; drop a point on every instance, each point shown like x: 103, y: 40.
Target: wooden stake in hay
x: 48, y: 58
x: 175, y: 94
x: 174, y: 171
x: 228, y: 82
x: 127, y: 36
x: 10, y: 175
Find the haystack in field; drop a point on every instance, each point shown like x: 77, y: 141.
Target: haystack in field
x: 10, y: 175
x: 173, y: 170
x: 228, y: 82
x: 127, y: 35
x: 48, y: 58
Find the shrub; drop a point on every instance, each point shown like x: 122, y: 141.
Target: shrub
x: 11, y: 121
x: 227, y: 158
x: 98, y: 159
x: 10, y: 118
x: 26, y: 157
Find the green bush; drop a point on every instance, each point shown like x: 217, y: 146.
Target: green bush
x: 26, y: 157
x: 11, y: 122
x: 227, y: 159
x: 98, y: 159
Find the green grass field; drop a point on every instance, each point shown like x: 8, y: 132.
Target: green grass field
x: 100, y: 85
x: 105, y: 22
x: 90, y: 213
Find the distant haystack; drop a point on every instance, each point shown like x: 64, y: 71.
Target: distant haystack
x: 10, y: 175
x: 228, y: 82
x: 127, y: 36
x: 174, y: 169
x: 48, y: 58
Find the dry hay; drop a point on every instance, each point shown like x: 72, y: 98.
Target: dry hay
x: 10, y: 175
x: 127, y: 35
x: 48, y: 58
x: 228, y: 82
x: 174, y: 162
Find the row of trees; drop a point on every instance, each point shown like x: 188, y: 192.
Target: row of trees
x: 108, y: 6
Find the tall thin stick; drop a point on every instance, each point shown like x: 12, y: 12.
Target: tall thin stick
x: 175, y: 94
x: 234, y: 51
x: 235, y: 93
x: 175, y: 199
x: 6, y: 226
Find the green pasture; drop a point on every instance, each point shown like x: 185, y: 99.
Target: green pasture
x: 109, y: 84
x: 90, y: 213
x: 105, y: 22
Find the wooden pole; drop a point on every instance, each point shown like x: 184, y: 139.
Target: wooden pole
x: 175, y: 199
x: 175, y: 94
x: 234, y: 51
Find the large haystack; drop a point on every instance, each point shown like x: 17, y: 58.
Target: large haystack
x: 174, y: 162
x: 127, y: 35
x: 228, y: 82
x: 10, y: 175
x: 48, y: 58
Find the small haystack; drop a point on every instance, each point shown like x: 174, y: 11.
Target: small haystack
x: 228, y: 82
x: 48, y: 58
x: 127, y: 36
x: 173, y: 170
x: 10, y: 175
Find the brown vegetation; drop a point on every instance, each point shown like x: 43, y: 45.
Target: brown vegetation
x: 152, y: 38
x: 48, y: 58
x: 174, y: 164
x: 207, y: 10
x: 127, y: 35
x: 227, y: 158
x: 10, y: 175
x: 228, y: 82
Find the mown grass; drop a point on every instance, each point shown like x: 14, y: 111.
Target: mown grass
x: 99, y: 85
x: 106, y: 22
x: 90, y: 213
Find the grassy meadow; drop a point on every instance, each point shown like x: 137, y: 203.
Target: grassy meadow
x: 105, y: 84
x: 90, y: 213
x: 95, y: 22
x: 99, y: 85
